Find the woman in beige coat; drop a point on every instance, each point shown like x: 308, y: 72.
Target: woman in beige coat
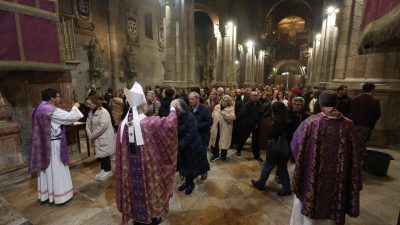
x: 221, y: 130
x: 101, y: 133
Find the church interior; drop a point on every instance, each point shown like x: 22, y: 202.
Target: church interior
x: 109, y: 44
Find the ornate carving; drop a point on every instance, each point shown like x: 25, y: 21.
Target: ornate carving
x: 95, y: 58
x: 5, y: 108
x: 211, y: 66
x: 131, y: 71
x: 304, y: 54
x: 161, y: 40
x: 270, y: 55
x: 83, y: 15
x: 132, y: 27
x: 240, y: 49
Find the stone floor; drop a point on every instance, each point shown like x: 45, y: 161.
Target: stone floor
x: 226, y: 197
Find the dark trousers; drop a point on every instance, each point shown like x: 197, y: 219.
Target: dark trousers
x: 363, y: 133
x: 105, y: 163
x: 215, y: 149
x: 281, y: 170
x: 255, y: 143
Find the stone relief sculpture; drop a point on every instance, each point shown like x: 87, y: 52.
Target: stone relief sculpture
x: 130, y: 60
x: 161, y: 40
x: 95, y: 58
x: 132, y: 27
x: 199, y: 53
x: 83, y: 15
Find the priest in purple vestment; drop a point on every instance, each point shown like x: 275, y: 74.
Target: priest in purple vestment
x: 49, y: 151
x: 146, y: 156
x: 327, y: 179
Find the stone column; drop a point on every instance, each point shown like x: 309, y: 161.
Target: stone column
x: 226, y: 56
x: 113, y: 11
x: 180, y: 46
x: 326, y: 52
x: 242, y: 65
x: 350, y: 65
x: 250, y: 62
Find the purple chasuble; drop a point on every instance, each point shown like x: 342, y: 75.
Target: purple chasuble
x: 40, y: 151
x: 327, y: 178
x: 145, y: 175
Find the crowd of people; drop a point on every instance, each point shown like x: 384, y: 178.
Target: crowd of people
x: 163, y: 130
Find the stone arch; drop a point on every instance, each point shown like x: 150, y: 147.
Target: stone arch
x: 278, y: 65
x: 282, y: 1
x: 210, y: 12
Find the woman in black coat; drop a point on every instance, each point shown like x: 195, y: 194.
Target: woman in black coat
x: 163, y: 111
x: 280, y: 129
x: 190, y: 147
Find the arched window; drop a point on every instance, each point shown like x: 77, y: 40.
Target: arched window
x: 148, y: 25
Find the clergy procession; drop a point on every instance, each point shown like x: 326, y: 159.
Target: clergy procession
x: 154, y: 135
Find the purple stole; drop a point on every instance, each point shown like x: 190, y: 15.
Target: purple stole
x: 40, y: 151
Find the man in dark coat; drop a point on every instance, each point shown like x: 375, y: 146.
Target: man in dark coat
x: 204, y: 123
x: 240, y: 100
x: 249, y: 120
x: 296, y: 114
x: 344, y: 101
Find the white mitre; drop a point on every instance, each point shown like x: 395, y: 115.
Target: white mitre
x: 135, y: 97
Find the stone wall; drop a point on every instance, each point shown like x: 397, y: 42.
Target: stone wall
x: 352, y: 67
x: 110, y: 20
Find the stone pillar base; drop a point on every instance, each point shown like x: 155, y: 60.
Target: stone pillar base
x: 225, y: 84
x: 248, y: 84
x: 180, y: 84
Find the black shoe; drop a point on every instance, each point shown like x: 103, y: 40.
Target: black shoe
x: 238, y: 154
x: 156, y: 221
x: 189, y: 189
x: 214, y: 158
x: 138, y: 223
x: 223, y: 158
x: 204, y: 176
x: 255, y: 184
x: 284, y: 193
x: 259, y: 159
x: 183, y: 186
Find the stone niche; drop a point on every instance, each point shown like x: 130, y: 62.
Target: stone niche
x: 10, y: 141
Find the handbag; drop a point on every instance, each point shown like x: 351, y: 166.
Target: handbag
x: 280, y: 146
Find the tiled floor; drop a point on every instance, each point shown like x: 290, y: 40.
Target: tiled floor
x: 226, y: 197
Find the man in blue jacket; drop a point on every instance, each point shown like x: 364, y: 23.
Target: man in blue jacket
x: 204, y: 123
